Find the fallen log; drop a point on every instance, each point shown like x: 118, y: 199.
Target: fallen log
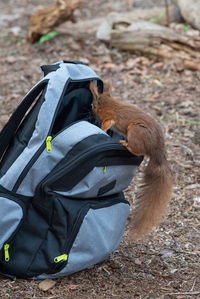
x: 44, y: 20
x: 159, y: 42
x: 156, y: 14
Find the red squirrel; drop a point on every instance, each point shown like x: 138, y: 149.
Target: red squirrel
x: 144, y: 137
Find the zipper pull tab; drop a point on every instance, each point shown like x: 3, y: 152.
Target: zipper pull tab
x: 104, y: 169
x: 48, y: 144
x: 60, y: 258
x: 6, y: 252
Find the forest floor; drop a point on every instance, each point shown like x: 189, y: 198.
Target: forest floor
x: 166, y: 264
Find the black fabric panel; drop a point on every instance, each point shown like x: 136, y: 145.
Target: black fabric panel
x: 49, y: 68
x: 84, y: 84
x: 106, y: 188
x: 86, y: 144
x: 53, y: 67
x: 76, y: 105
x: 25, y: 199
x: 115, y: 135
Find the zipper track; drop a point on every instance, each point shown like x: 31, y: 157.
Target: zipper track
x: 77, y: 160
x: 75, y: 229
x: 28, y: 166
x: 42, y: 147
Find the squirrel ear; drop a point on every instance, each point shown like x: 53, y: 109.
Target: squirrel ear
x: 107, y: 87
x: 94, y: 90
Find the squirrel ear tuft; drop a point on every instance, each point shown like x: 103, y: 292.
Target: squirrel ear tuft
x: 107, y: 87
x: 94, y: 90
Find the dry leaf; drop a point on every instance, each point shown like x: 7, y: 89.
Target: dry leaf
x: 72, y: 286
x: 137, y: 261
x: 46, y: 284
x: 165, y: 253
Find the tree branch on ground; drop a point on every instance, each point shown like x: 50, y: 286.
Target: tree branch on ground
x: 44, y: 20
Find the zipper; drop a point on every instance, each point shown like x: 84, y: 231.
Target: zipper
x: 48, y: 144
x: 42, y: 147
x: 78, y: 160
x: 6, y: 252
x: 6, y: 246
x: 61, y: 258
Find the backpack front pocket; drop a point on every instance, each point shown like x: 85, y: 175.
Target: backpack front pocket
x: 95, y: 229
x: 94, y: 167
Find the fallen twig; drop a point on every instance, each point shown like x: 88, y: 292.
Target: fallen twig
x: 184, y: 293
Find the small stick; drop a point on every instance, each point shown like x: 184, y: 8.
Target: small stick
x: 184, y: 293
x: 193, y: 286
x: 167, y: 13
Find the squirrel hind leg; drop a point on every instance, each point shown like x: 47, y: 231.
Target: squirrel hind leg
x: 137, y: 136
x: 130, y: 149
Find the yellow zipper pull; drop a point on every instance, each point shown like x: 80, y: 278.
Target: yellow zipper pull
x: 48, y: 144
x: 60, y: 258
x: 104, y: 169
x: 6, y: 252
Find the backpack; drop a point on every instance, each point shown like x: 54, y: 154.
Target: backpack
x: 61, y: 179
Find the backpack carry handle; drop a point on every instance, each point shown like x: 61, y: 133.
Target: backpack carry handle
x: 48, y: 68
x: 9, y: 130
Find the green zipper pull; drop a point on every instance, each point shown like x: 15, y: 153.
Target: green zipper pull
x: 48, y: 144
x: 60, y: 258
x: 6, y: 252
x: 104, y: 169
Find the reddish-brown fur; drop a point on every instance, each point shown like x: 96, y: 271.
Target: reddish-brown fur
x: 145, y: 137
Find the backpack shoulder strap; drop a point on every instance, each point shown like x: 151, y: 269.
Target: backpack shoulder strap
x: 8, y: 132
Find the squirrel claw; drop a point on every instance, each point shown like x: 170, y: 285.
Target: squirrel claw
x: 123, y: 142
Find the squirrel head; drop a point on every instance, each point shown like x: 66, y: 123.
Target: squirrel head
x: 99, y: 98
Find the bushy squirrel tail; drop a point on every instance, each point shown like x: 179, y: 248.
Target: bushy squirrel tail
x: 152, y: 198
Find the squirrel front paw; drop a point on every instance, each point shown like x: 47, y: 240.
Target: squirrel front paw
x: 107, y: 124
x: 123, y: 142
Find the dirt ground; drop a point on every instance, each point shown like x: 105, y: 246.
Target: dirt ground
x: 167, y: 263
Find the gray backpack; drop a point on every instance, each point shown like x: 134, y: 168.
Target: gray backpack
x: 61, y: 179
